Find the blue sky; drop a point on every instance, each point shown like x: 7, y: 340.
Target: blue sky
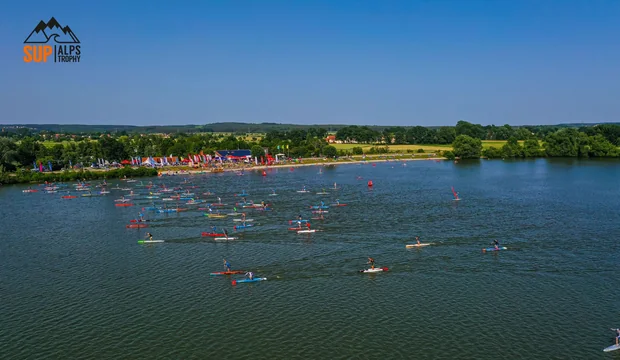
x: 318, y: 62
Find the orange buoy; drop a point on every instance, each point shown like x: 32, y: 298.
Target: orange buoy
x: 369, y: 183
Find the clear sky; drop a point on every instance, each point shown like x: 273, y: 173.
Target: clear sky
x: 322, y: 61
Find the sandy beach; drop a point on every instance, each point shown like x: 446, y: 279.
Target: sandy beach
x: 294, y: 165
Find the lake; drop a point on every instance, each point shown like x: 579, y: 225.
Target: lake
x: 74, y: 283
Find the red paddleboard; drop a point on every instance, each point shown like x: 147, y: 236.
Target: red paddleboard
x: 69, y: 197
x: 212, y: 234
x: 233, y: 272
x: 124, y: 205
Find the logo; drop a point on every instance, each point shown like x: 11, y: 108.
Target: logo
x: 65, y: 49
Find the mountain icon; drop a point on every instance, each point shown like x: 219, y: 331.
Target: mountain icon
x: 44, y: 32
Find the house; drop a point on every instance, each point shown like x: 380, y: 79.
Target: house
x: 234, y: 154
x: 331, y: 139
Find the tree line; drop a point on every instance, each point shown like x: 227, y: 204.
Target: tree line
x: 20, y: 149
x: 447, y: 134
x: 23, y: 151
x: 591, y: 142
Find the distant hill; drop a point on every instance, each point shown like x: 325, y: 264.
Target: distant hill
x: 222, y: 127
x: 228, y: 127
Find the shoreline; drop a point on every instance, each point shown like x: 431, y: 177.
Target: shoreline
x: 294, y: 165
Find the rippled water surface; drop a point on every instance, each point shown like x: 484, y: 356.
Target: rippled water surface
x: 74, y: 283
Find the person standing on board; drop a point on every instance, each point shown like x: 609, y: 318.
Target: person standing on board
x: 371, y: 261
x: 417, y: 238
x: 227, y: 265
x: 213, y: 229
x: 243, y: 217
x: 308, y: 225
x: 226, y: 233
x: 617, y: 335
x: 249, y: 275
x: 149, y: 236
x: 496, y: 244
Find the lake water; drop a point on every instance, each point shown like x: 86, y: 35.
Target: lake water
x: 74, y: 283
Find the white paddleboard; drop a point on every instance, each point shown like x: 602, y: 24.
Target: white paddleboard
x: 408, y: 246
x: 306, y: 231
x: 241, y: 220
x: 224, y: 239
x: 322, y: 193
x: 611, y: 348
x: 375, y: 270
x: 150, y: 241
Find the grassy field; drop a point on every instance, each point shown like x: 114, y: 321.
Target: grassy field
x: 50, y: 144
x: 426, y: 147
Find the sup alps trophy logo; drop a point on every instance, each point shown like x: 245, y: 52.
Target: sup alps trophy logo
x: 66, y: 48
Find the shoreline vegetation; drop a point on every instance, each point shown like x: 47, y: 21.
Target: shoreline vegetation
x: 32, y: 177
x: 38, y: 155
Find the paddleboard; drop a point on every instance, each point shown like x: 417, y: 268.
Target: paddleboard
x: 241, y: 220
x: 294, y: 221
x: 150, y: 241
x: 306, y: 231
x: 273, y: 194
x: 494, y: 249
x: 408, y: 246
x: 322, y: 193
x: 320, y: 211
x: 232, y: 272
x: 243, y: 226
x: 211, y: 234
x: 224, y: 239
x: 611, y: 348
x: 375, y: 270
x: 249, y: 281
x: 303, y: 191
x: 339, y: 205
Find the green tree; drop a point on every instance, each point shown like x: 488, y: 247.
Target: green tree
x: 330, y: 151
x: 512, y: 149
x: 531, y: 148
x: 492, y: 153
x: 257, y: 151
x: 466, y: 147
